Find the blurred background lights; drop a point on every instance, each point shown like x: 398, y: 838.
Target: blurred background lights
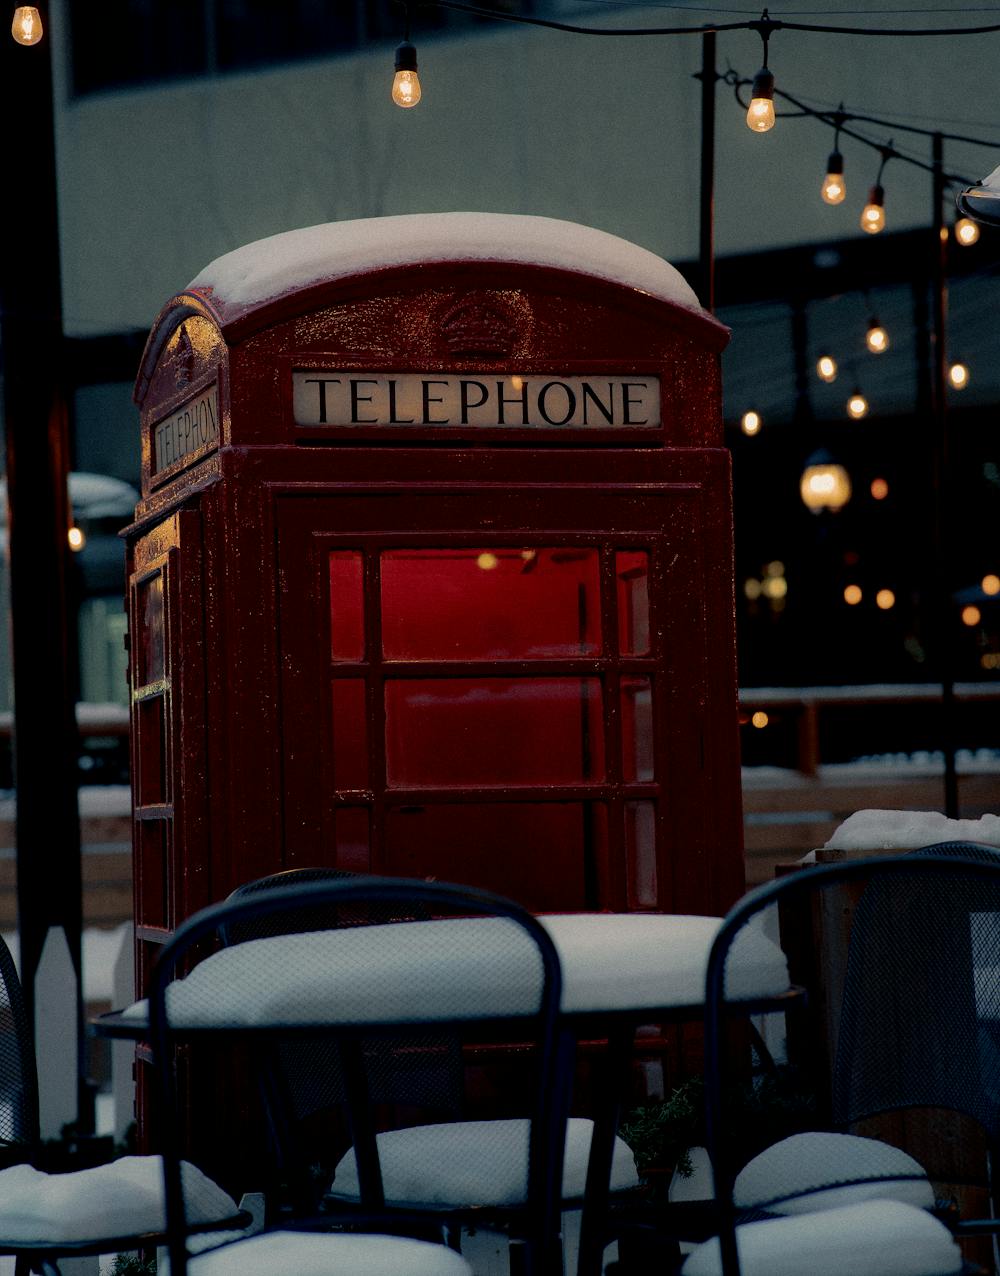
x: 966, y: 231
x: 751, y: 423
x: 857, y: 405
x: 958, y: 375
x: 971, y: 615
x: 852, y: 595
x: 885, y: 599
x: 876, y: 338
x: 487, y: 561
x: 824, y: 485
x: 76, y: 538
x: 879, y: 489
x: 760, y: 719
x: 826, y: 367
x: 990, y: 584
x: 751, y: 588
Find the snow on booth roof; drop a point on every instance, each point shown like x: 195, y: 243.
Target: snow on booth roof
x: 255, y: 273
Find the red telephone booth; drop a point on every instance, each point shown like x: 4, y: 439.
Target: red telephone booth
x: 432, y: 572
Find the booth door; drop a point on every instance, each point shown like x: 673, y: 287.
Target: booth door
x: 496, y: 709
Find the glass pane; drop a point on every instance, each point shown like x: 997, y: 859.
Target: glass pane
x: 152, y: 785
x: 637, y: 729
x: 490, y: 604
x: 152, y: 868
x: 632, y: 572
x: 347, y: 617
x: 353, y: 839
x: 493, y: 731
x: 151, y: 650
x: 640, y: 851
x: 533, y: 853
x: 350, y: 734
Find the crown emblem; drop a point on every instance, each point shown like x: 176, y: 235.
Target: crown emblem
x: 476, y: 326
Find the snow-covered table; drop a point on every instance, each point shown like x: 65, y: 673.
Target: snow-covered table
x: 619, y: 971
x: 627, y: 964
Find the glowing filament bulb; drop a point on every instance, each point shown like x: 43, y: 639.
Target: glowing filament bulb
x: 826, y: 367
x: 857, y: 405
x: 876, y: 338
x: 873, y: 213
x: 958, y: 375
x: 751, y: 422
x: 27, y: 25
x: 966, y: 231
x: 406, y: 82
x: 834, y: 188
x: 760, y: 112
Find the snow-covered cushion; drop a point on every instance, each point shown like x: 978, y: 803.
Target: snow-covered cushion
x: 311, y: 1254
x: 123, y: 1198
x: 475, y: 1163
x: 875, y: 1238
x: 784, y: 1177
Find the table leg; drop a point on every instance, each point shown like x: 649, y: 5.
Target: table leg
x: 612, y: 1078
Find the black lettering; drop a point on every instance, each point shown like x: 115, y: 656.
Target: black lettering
x: 213, y: 432
x: 570, y: 401
x: 204, y: 417
x: 606, y: 410
x: 627, y: 401
x: 428, y: 400
x: 522, y: 399
x: 322, y: 382
x: 393, y: 419
x: 463, y: 389
x: 361, y: 398
x: 183, y: 442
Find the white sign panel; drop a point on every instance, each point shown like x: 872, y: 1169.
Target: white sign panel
x: 481, y: 399
x: 189, y: 429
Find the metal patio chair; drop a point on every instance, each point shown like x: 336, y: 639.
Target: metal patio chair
x: 903, y: 974
x: 99, y: 1210
x: 356, y: 971
x: 423, y: 1074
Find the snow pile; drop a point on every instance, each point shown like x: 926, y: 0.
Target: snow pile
x: 907, y: 830
x: 335, y: 250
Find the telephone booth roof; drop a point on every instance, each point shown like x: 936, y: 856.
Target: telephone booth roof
x: 268, y: 280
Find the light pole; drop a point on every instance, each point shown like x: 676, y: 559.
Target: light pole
x: 35, y: 418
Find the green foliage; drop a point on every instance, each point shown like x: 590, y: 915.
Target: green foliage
x: 132, y: 1265
x: 759, y: 1111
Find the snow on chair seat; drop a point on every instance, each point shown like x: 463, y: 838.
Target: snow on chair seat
x: 819, y: 1170
x: 322, y: 1254
x: 474, y: 1163
x: 874, y: 1238
x: 121, y: 1199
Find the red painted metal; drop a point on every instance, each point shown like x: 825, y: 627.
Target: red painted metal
x: 324, y: 671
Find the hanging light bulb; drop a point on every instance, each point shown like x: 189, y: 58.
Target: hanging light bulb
x: 857, y: 405
x: 824, y: 485
x: 750, y: 423
x: 966, y: 231
x: 873, y: 213
x: 958, y: 375
x: 826, y: 367
x: 834, y: 188
x: 406, y: 82
x: 27, y: 25
x: 760, y: 112
x: 876, y: 338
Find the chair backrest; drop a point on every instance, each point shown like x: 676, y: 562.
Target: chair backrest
x: 19, y: 1134
x: 900, y: 957
x: 306, y: 1091
x: 450, y: 958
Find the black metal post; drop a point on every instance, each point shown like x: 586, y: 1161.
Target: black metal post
x: 35, y: 418
x: 706, y: 246
x: 942, y: 605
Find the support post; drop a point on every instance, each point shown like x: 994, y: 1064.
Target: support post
x: 35, y: 419
x: 942, y: 605
x: 706, y: 238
